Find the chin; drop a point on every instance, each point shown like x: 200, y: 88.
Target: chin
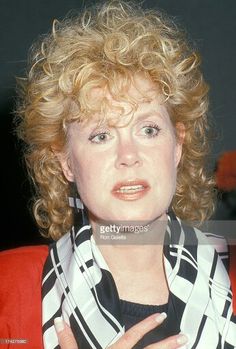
x: 139, y: 216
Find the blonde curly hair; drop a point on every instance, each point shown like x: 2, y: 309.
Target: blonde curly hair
x: 101, y: 47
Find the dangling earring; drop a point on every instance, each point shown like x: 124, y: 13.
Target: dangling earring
x: 76, y: 203
x: 170, y: 213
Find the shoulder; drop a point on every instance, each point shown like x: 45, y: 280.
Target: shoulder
x: 20, y: 293
x: 208, y: 246
x: 25, y: 253
x: 23, y: 261
x: 216, y: 241
x: 226, y: 253
x: 21, y: 269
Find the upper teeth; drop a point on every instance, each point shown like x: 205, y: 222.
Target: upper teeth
x: 130, y: 187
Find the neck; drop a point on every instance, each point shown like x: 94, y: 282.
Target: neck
x: 132, y: 259
x: 139, y: 262
x: 135, y: 252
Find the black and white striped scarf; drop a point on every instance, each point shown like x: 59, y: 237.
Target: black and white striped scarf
x: 78, y: 286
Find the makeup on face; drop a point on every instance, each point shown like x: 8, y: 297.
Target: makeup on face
x: 126, y: 171
x: 131, y: 189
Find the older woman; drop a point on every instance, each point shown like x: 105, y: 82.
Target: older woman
x: 114, y: 113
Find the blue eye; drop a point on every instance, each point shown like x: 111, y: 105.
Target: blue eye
x: 101, y: 137
x: 151, y: 130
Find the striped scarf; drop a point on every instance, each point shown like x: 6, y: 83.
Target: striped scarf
x: 78, y: 286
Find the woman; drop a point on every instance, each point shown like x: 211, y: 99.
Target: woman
x: 114, y: 113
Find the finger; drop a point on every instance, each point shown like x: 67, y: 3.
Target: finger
x: 178, y: 341
x: 65, y: 335
x: 135, y: 333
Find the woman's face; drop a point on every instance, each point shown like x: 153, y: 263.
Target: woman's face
x: 126, y: 172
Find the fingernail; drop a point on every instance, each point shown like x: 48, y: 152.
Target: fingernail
x: 59, y: 324
x: 182, y: 339
x: 160, y: 317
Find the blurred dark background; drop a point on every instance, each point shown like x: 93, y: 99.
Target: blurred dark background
x: 210, y: 23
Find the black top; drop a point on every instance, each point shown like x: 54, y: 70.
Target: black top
x: 133, y: 313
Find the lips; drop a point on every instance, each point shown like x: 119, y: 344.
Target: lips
x: 131, y: 189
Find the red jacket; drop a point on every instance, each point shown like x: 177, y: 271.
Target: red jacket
x: 20, y: 295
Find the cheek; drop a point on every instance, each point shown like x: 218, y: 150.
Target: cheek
x: 171, y: 169
x: 165, y: 159
x: 89, y: 175
x: 164, y: 170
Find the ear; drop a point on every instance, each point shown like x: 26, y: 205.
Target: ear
x: 65, y: 165
x: 180, y: 135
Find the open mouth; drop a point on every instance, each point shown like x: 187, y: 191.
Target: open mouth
x: 130, y: 190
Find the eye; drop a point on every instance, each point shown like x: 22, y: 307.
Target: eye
x: 100, y: 137
x: 150, y: 130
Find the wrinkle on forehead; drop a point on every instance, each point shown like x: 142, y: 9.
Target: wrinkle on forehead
x: 112, y: 108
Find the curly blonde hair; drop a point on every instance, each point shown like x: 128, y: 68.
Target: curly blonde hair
x: 101, y: 47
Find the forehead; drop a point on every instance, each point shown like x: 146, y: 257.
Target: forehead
x: 111, y: 104
x: 139, y: 89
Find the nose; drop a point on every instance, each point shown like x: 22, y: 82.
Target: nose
x: 127, y: 154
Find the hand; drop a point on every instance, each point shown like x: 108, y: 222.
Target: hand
x: 129, y: 339
x: 65, y: 336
